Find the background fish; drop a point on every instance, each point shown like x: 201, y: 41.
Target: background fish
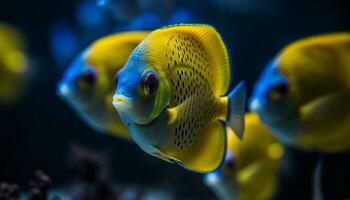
x: 14, y: 64
x: 88, y: 85
x: 250, y: 165
x: 304, y: 93
x: 171, y: 94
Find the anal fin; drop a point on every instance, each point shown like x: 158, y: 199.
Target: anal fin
x: 210, y: 151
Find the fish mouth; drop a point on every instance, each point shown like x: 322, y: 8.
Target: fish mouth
x: 256, y: 105
x: 212, y: 178
x: 121, y: 102
x: 64, y: 90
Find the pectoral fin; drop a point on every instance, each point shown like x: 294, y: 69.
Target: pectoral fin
x: 159, y: 154
x: 326, y: 108
x: 172, y: 115
x: 184, y: 110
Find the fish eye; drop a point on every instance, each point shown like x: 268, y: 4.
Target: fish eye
x: 87, y: 79
x: 280, y: 91
x: 150, y: 83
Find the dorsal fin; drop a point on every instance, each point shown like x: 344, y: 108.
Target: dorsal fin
x: 190, y: 44
x: 332, y: 50
x: 113, y: 50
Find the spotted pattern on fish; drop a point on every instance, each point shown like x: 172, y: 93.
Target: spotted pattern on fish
x: 189, y: 77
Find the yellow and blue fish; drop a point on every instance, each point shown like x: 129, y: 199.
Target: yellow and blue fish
x: 88, y: 84
x: 251, y: 166
x: 14, y: 64
x: 304, y: 93
x: 174, y: 95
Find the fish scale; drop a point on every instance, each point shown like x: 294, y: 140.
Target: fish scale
x: 182, y: 55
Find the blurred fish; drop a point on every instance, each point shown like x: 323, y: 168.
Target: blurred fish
x: 14, y: 64
x: 145, y: 21
x: 64, y: 43
x: 151, y: 20
x: 122, y: 10
x: 304, y: 93
x: 89, y: 15
x: 251, y: 165
x: 87, y: 85
x: 182, y: 15
x: 171, y: 94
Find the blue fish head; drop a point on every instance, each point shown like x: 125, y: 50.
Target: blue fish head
x: 78, y: 84
x: 138, y: 91
x: 270, y: 95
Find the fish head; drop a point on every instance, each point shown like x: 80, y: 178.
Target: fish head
x: 270, y: 99
x: 79, y: 85
x: 141, y: 94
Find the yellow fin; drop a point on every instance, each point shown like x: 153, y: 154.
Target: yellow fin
x: 317, y: 63
x: 172, y: 115
x: 196, y: 45
x: 198, y: 139
x: 113, y: 50
x: 329, y: 40
x: 327, y: 108
x: 161, y: 155
x: 210, y: 152
x: 248, y: 173
x: 233, y: 142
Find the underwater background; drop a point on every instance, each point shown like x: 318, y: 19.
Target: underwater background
x: 39, y: 131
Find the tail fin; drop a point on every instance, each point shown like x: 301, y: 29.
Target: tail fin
x: 236, y: 107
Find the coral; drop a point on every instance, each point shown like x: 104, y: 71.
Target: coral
x: 39, y: 186
x: 39, y: 189
x: 9, y: 191
x: 94, y: 174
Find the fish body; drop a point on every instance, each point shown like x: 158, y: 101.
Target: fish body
x: 87, y: 85
x: 250, y: 165
x: 304, y: 93
x: 172, y: 94
x: 14, y: 64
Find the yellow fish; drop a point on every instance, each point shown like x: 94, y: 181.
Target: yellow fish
x: 251, y: 166
x: 87, y: 85
x: 14, y: 64
x: 304, y: 93
x: 174, y: 95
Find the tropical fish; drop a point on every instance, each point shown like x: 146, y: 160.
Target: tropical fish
x: 304, y: 93
x: 14, y: 64
x: 173, y: 94
x: 88, y: 87
x: 251, y: 165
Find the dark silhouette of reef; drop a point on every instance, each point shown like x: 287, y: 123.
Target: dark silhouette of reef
x: 93, y: 173
x: 39, y: 189
x: 92, y: 181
